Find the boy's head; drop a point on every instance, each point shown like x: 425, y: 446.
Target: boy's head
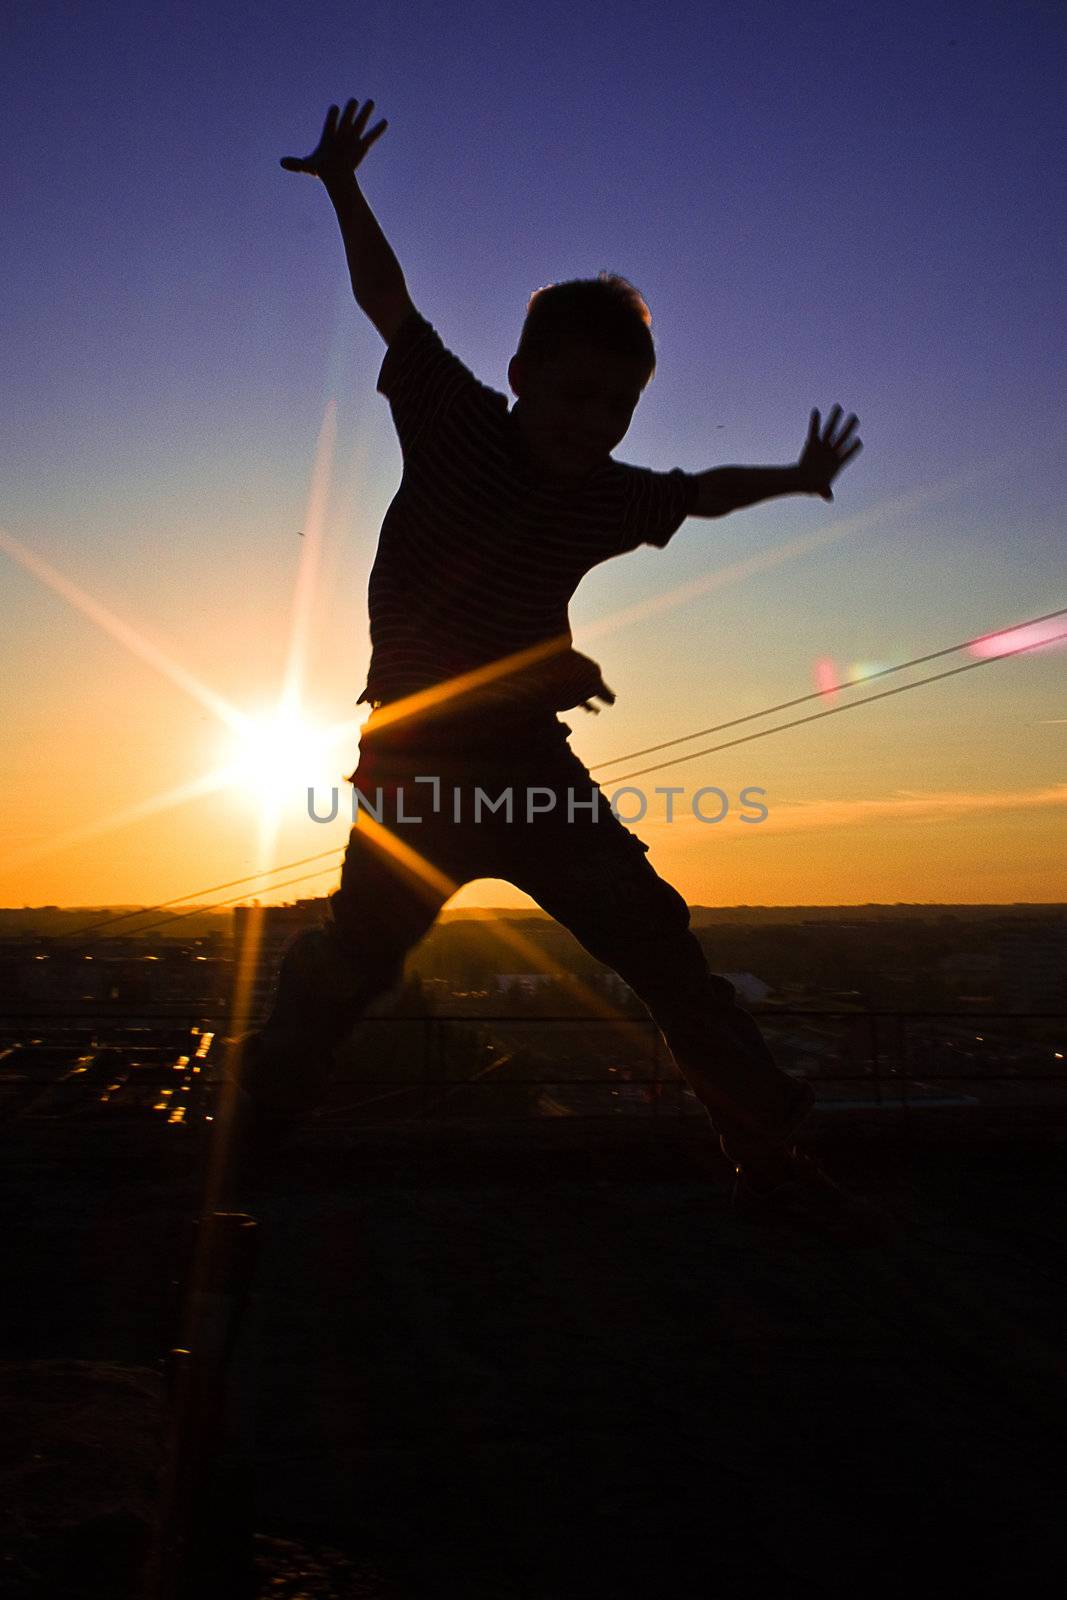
x: 584, y: 356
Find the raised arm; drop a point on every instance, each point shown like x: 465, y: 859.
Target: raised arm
x: 377, y: 281
x: 726, y: 489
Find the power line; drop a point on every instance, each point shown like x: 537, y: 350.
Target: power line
x: 145, y: 911
x: 833, y: 711
x: 216, y: 905
x: 784, y: 705
x: 617, y: 760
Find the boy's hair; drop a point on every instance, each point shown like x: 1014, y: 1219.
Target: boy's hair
x: 605, y: 311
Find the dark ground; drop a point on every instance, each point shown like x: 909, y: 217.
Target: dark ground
x: 540, y: 1360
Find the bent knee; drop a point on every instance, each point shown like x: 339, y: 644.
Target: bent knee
x: 631, y: 896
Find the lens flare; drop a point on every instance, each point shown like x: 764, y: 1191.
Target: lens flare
x: 1032, y: 636
x: 826, y: 679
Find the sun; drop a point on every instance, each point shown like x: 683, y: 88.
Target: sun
x: 278, y: 755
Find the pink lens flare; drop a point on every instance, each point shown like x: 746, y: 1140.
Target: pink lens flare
x: 826, y: 678
x: 1032, y: 636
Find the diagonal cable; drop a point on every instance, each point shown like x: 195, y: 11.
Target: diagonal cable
x: 817, y: 694
x: 833, y: 711
x: 633, y: 755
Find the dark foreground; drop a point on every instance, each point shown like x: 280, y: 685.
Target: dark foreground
x: 539, y: 1360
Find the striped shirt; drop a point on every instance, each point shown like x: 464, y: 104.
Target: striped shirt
x: 479, y: 555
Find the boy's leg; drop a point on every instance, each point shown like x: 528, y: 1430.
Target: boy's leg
x: 332, y: 972
x: 596, y: 880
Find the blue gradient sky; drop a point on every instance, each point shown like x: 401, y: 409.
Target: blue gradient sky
x: 824, y: 202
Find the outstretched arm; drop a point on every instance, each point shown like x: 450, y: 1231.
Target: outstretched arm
x: 726, y: 489
x: 377, y: 281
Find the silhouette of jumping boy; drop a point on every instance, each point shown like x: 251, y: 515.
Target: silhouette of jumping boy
x: 498, y: 517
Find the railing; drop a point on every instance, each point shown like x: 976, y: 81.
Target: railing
x: 891, y: 1055
x: 891, y: 1059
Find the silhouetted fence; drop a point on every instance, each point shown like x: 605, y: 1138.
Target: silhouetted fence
x: 569, y: 1064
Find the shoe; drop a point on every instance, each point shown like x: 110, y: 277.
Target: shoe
x: 790, y: 1187
x: 742, y: 1150
x: 731, y: 1067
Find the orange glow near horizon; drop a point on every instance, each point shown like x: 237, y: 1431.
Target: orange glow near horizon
x: 268, y: 748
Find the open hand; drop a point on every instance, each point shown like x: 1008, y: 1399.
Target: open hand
x: 825, y: 453
x: 343, y: 144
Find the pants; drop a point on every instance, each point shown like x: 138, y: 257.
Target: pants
x: 577, y: 861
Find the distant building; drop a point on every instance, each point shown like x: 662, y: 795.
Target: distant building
x: 749, y: 987
x: 614, y: 987
x: 967, y: 965
x: 1033, y: 966
x: 525, y: 983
